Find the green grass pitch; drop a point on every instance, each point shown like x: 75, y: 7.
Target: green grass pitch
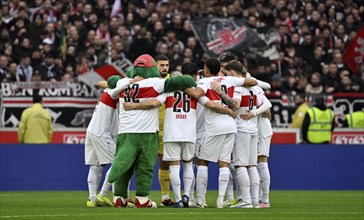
x: 284, y: 205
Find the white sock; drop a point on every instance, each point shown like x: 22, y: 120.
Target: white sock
x: 242, y: 179
x: 106, y: 185
x: 93, y: 181
x: 230, y: 186
x: 254, y: 184
x: 264, y: 175
x: 192, y: 190
x: 175, y: 181
x: 142, y: 199
x: 187, y: 177
x: 224, y: 174
x: 201, y: 183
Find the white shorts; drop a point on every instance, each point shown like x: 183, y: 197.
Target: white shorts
x: 264, y: 145
x: 199, y: 140
x: 99, y: 150
x: 217, y: 148
x: 245, y: 152
x: 175, y: 151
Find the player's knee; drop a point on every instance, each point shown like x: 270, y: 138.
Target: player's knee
x: 164, y: 165
x: 262, y: 159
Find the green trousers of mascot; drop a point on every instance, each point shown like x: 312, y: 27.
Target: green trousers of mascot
x: 134, y: 151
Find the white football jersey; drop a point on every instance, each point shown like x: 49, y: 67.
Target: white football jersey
x: 180, y: 117
x: 251, y: 99
x: 264, y: 125
x: 216, y: 123
x: 104, y: 119
x: 200, y: 118
x: 140, y: 121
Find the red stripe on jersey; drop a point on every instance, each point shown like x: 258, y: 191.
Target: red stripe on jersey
x: 230, y: 91
x: 212, y: 95
x: 145, y: 92
x: 170, y: 102
x: 245, y: 100
x: 107, y: 100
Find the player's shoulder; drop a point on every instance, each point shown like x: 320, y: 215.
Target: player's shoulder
x: 257, y: 89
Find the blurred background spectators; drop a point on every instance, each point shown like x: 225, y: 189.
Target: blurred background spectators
x: 313, y: 36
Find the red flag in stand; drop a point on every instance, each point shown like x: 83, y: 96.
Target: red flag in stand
x: 354, y: 54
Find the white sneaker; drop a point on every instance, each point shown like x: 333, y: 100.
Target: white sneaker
x: 202, y: 205
x: 242, y: 204
x: 264, y: 205
x: 219, y: 205
x: 228, y: 203
x: 192, y: 204
x: 256, y: 205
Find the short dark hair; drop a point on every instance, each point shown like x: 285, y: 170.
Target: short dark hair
x: 213, y: 65
x: 189, y: 68
x: 236, y: 66
x: 226, y: 57
x: 161, y: 57
x: 37, y: 98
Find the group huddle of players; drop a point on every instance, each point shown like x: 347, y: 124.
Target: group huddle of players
x: 224, y: 119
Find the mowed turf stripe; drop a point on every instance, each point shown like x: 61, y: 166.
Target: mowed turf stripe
x: 173, y: 213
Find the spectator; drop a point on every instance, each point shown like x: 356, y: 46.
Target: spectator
x: 4, y: 73
x: 314, y: 86
x: 48, y: 70
x: 35, y: 126
x: 300, y: 112
x: 345, y: 84
x: 311, y: 32
x: 24, y: 71
x: 318, y: 123
x: 331, y: 79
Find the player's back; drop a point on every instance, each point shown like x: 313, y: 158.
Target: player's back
x: 216, y: 123
x: 180, y: 118
x: 248, y: 103
x: 140, y: 121
x: 103, y: 118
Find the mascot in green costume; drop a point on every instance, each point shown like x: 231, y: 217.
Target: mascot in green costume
x: 137, y: 141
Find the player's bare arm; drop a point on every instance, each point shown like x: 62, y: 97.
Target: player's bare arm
x: 141, y: 105
x: 102, y: 84
x: 232, y: 103
x: 194, y: 92
x: 267, y: 114
x: 221, y: 109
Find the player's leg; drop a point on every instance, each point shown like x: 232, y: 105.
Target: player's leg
x: 206, y: 151
x: 224, y: 159
x: 105, y: 151
x: 172, y: 155
x: 95, y: 170
x: 187, y: 155
x: 201, y: 182
x: 253, y: 172
x: 92, y: 180
x: 230, y: 199
x: 241, y: 162
x: 144, y: 167
x: 263, y: 170
x: 192, y: 200
x: 164, y: 175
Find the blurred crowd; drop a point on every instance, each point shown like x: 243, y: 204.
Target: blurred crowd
x: 313, y: 36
